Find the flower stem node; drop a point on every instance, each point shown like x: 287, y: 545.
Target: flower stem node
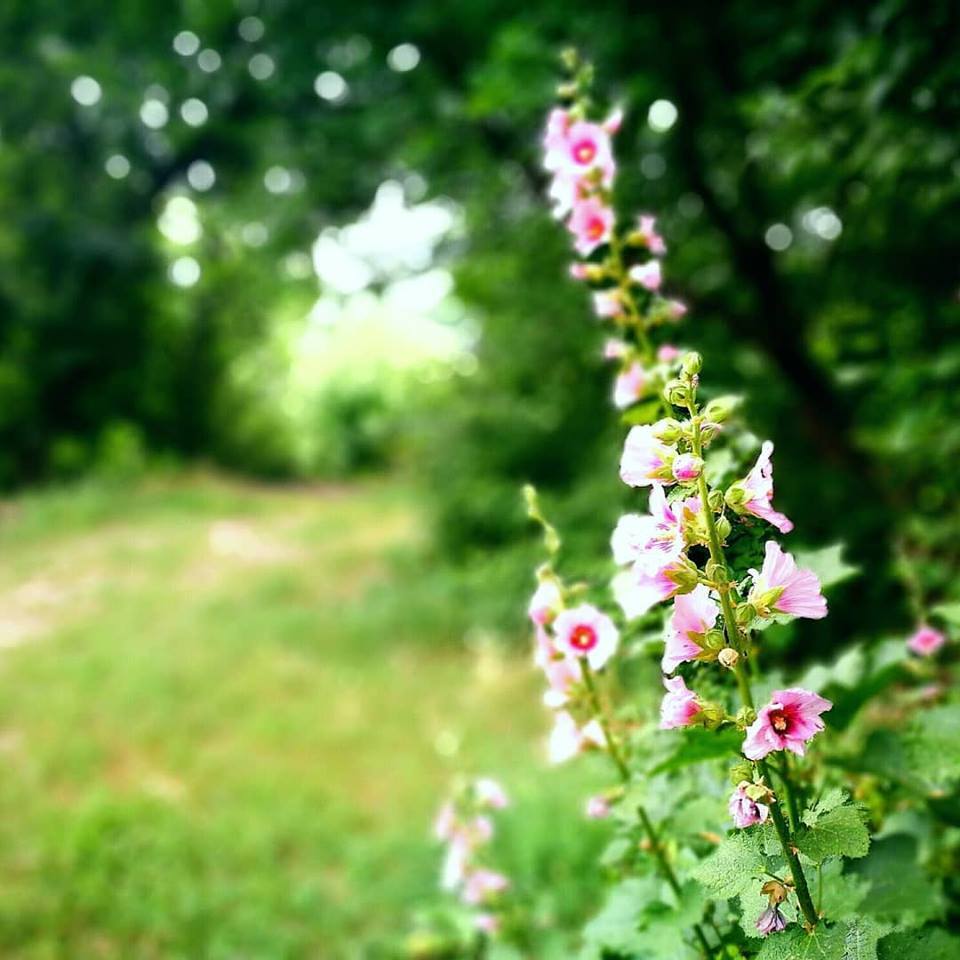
x: 728, y: 657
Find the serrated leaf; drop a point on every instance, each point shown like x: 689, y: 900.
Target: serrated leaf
x: 840, y: 832
x: 930, y: 943
x: 796, y: 944
x: 832, y: 799
x: 734, y: 866
x: 828, y: 564
x: 860, y: 938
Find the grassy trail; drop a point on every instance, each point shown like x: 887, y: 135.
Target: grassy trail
x: 225, y: 723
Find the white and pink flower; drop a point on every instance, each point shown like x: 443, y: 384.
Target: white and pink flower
x: 546, y: 602
x: 591, y: 224
x: 647, y: 232
x: 646, y: 460
x: 490, y: 793
x: 597, y: 807
x: 637, y: 590
x: 744, y: 810
x: 926, y: 641
x: 667, y: 353
x: 687, y: 467
x: 615, y: 349
x: 680, y: 706
x: 782, y: 587
x: 629, y: 386
x: 567, y: 739
x: 693, y: 615
x: 586, y: 632
x: 607, y: 303
x: 654, y: 540
x: 649, y: 275
x: 788, y: 722
x: 754, y: 494
x: 481, y: 884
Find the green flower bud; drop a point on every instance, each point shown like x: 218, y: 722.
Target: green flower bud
x: 708, y: 431
x: 691, y: 363
x: 712, y: 640
x: 668, y: 430
x: 746, y: 613
x: 677, y: 392
x: 746, y: 716
x: 736, y: 496
x: 715, y: 499
x: 723, y: 528
x: 712, y: 714
x: 720, y: 409
x: 686, y: 576
x: 717, y: 572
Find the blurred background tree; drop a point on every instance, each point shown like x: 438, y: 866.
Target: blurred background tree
x: 228, y: 230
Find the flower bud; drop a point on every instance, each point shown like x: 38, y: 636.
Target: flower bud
x: 723, y: 528
x: 687, y: 467
x: 746, y: 716
x: 692, y: 363
x: 720, y: 409
x: 715, y: 500
x: 708, y: 431
x: 685, y: 575
x: 736, y: 496
x: 728, y: 657
x: 712, y: 714
x: 717, y: 573
x: 677, y: 392
x: 566, y: 91
x: 746, y: 613
x: 668, y: 430
x: 740, y: 771
x: 713, y: 640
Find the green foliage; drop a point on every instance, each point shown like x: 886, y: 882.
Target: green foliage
x: 735, y: 865
x: 836, y: 831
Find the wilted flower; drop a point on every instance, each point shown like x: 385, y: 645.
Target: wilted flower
x: 782, y: 587
x: 679, y: 707
x: 694, y: 614
x: 787, y: 722
x: 754, y: 494
x: 585, y: 631
x: 646, y: 460
x: 629, y: 386
x: 745, y: 810
x: 771, y: 921
x: 926, y: 641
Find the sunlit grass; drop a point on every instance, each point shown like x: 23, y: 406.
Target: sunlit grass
x: 226, y: 718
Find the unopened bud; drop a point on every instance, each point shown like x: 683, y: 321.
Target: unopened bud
x: 668, y: 430
x: 685, y: 575
x: 692, y: 363
x: 717, y: 572
x: 570, y: 58
x: 594, y: 272
x: 736, y: 496
x: 687, y: 467
x: 720, y: 409
x: 728, y: 657
x: 746, y: 716
x: 712, y: 714
x: 676, y: 392
x: 566, y: 91
x: 723, y: 528
x: 746, y: 613
x: 708, y: 431
x: 715, y: 500
x: 713, y: 640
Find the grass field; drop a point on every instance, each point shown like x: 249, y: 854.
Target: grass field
x: 227, y: 714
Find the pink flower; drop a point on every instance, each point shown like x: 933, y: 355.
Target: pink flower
x: 567, y: 739
x: 647, y: 230
x: 455, y: 864
x: 488, y: 923
x: 578, y: 271
x: 481, y: 884
x: 756, y: 491
x: 746, y: 812
x: 646, y: 460
x: 606, y: 303
x: 687, y: 467
x: 586, y: 632
x: 675, y: 309
x: 694, y: 614
x: 789, y: 721
x: 490, y: 793
x: 653, y: 541
x: 597, y: 807
x: 590, y: 223
x: 546, y: 602
x: 629, y: 386
x: 667, y: 353
x: 444, y: 826
x: 614, y: 120
x: 614, y: 350
x: 926, y: 641
x: 679, y: 706
x: 771, y: 921
x: 562, y: 672
x: 649, y: 275
x: 782, y: 587
x: 574, y: 149
x: 636, y: 590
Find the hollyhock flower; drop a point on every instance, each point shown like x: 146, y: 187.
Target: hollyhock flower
x: 653, y: 541
x: 561, y: 672
x: 746, y: 812
x: 754, y: 493
x: 679, y: 707
x: 926, y: 641
x: 637, y: 591
x: 629, y: 386
x: 455, y: 864
x: 488, y: 923
x: 614, y: 349
x: 481, y: 884
x: 590, y: 223
x: 647, y: 231
x: 667, y: 353
x: 445, y: 823
x: 574, y: 149
x: 546, y: 602
x: 586, y: 632
x: 789, y: 721
x: 564, y: 191
x: 614, y: 120
x: 646, y: 460
x: 490, y: 794
x: 693, y: 615
x: 597, y: 807
x: 579, y: 271
x: 675, y: 309
x: 771, y: 921
x: 607, y: 303
x: 687, y: 467
x: 782, y: 587
x: 649, y: 275
x: 566, y: 739
x: 558, y: 122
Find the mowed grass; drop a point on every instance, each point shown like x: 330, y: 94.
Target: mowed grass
x: 227, y: 715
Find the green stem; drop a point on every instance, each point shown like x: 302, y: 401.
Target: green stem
x: 792, y: 801
x: 656, y: 847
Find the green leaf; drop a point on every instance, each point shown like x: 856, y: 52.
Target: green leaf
x: 697, y: 746
x: 930, y: 943
x: 734, y: 866
x: 617, y: 925
x: 832, y: 799
x: 796, y: 944
x: 860, y: 939
x: 828, y: 564
x: 839, y: 832
x: 933, y: 744
x: 949, y: 612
